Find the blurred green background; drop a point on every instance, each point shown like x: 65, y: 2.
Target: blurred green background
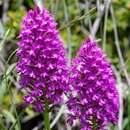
x: 109, y: 24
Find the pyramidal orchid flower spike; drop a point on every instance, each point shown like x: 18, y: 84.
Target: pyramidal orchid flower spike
x: 42, y: 63
x: 94, y: 100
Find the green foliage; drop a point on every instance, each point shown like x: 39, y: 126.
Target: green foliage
x: 10, y: 97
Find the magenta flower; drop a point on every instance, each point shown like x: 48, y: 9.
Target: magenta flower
x: 42, y: 64
x: 94, y: 100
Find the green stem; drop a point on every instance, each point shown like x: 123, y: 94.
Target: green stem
x: 46, y: 117
x: 105, y: 28
x: 68, y: 32
x: 79, y: 18
x: 128, y: 111
x: 94, y: 124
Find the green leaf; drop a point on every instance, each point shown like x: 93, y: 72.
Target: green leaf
x: 4, y: 39
x: 8, y: 115
x: 2, y: 90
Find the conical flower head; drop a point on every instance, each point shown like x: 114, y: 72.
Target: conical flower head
x: 94, y: 100
x: 42, y: 64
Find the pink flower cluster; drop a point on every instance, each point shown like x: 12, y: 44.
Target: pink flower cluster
x: 42, y: 63
x: 45, y: 76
